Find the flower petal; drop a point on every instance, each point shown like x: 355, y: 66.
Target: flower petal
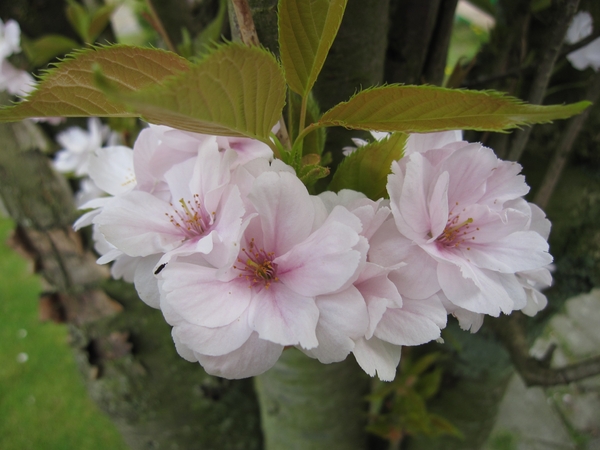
x: 375, y: 356
x: 145, y: 282
x: 214, y: 341
x: 256, y: 356
x: 417, y: 322
x: 193, y: 292
x: 322, y: 263
x: 343, y: 317
x: 137, y: 223
x: 282, y: 316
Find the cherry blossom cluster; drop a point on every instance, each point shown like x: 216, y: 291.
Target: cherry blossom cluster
x: 243, y: 262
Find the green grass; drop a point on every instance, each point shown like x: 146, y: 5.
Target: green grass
x: 43, y: 401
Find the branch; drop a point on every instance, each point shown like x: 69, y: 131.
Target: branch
x: 245, y: 22
x: 565, y: 146
x: 155, y: 21
x: 545, y: 68
x: 576, y: 46
x: 414, y: 22
x: 435, y: 64
x: 511, y: 332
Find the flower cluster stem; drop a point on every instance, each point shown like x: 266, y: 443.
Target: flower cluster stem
x: 308, y: 405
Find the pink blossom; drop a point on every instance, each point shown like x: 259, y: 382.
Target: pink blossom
x: 172, y: 193
x: 460, y: 208
x: 235, y: 322
x: 182, y: 200
x: 390, y: 320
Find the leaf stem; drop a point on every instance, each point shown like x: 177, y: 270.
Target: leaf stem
x: 158, y: 26
x: 273, y: 147
x: 302, y: 117
x: 306, y: 131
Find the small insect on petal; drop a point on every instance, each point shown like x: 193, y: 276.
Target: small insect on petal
x: 159, y: 268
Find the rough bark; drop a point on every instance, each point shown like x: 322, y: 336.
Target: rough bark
x: 264, y: 13
x: 123, y: 347
x: 411, y: 21
x: 435, y: 66
x: 356, y: 61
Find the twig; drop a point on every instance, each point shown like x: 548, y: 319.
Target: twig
x: 243, y: 15
x: 576, y: 46
x: 559, y: 160
x: 158, y: 26
x: 544, y: 71
x: 511, y: 332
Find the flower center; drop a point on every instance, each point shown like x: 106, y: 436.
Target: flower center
x: 257, y: 266
x: 456, y: 232
x: 192, y: 219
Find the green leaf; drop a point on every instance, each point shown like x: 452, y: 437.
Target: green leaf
x: 212, y: 32
x: 234, y: 91
x: 186, y: 47
x: 366, y: 169
x: 306, y: 31
x: 42, y: 50
x: 423, y: 109
x: 69, y: 89
x: 429, y: 384
x: 442, y: 426
x: 79, y: 19
x: 99, y: 20
x: 311, y: 173
x: 422, y: 364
